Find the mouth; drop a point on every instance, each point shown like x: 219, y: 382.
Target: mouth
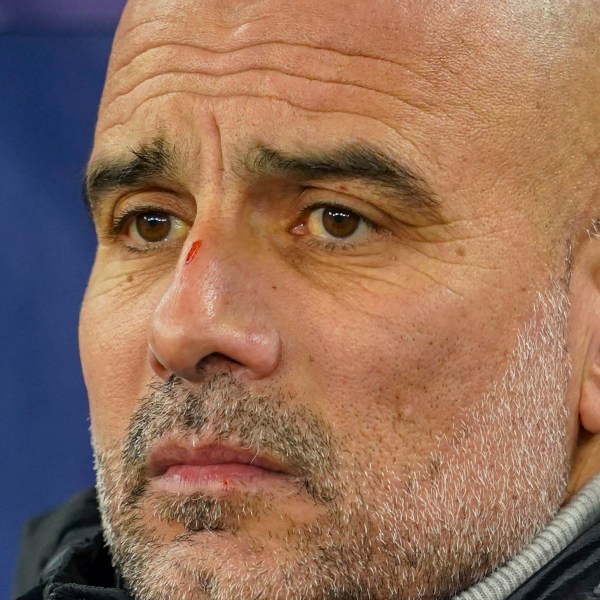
x: 215, y: 468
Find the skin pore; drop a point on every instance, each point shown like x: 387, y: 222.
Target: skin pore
x: 394, y: 297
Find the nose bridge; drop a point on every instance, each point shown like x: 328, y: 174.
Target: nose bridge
x: 197, y: 286
x: 213, y: 312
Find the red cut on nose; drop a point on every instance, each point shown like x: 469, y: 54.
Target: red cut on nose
x: 193, y: 250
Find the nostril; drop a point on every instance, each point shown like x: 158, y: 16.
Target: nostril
x: 215, y: 362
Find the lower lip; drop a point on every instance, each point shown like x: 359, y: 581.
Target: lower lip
x: 216, y: 479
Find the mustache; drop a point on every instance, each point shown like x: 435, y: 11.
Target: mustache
x: 227, y: 410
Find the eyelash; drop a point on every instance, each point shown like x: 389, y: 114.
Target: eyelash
x: 120, y: 223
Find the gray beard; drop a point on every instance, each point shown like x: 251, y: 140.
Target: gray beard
x: 419, y: 532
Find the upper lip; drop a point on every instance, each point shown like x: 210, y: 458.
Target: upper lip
x: 184, y: 452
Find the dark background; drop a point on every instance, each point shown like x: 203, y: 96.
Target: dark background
x: 53, y: 55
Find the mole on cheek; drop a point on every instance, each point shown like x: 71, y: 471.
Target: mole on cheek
x: 193, y: 250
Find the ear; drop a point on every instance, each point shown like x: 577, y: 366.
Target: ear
x: 584, y: 347
x: 585, y: 331
x: 589, y: 399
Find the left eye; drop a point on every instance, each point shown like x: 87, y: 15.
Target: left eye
x: 155, y: 227
x: 335, y: 223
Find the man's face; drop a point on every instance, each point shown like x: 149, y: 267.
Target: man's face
x: 324, y: 354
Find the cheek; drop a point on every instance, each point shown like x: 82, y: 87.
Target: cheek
x: 113, y: 346
x: 395, y: 380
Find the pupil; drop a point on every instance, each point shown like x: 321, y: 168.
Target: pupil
x: 340, y: 224
x: 153, y: 227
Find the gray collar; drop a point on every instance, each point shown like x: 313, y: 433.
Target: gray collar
x: 567, y: 525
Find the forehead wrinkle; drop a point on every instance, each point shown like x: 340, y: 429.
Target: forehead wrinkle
x: 225, y: 38
x: 202, y: 61
x: 136, y: 54
x: 170, y: 13
x: 150, y: 80
x: 387, y: 29
x: 318, y: 27
x: 317, y: 22
x: 121, y: 123
x: 301, y: 92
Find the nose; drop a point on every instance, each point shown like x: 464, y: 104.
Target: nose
x: 213, y: 318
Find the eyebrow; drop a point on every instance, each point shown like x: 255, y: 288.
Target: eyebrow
x: 152, y: 161
x: 362, y: 163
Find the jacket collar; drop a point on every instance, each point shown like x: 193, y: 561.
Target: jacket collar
x: 79, y: 570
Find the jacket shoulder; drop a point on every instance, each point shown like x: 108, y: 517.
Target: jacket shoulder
x: 43, y: 534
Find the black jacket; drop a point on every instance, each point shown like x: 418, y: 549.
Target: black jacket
x: 63, y: 558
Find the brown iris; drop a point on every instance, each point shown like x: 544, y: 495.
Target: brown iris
x: 153, y: 227
x: 340, y: 223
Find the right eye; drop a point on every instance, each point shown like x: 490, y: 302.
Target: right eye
x: 151, y: 228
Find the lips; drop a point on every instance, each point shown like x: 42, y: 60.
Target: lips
x: 213, y: 467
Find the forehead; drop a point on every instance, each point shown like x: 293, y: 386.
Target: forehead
x: 382, y: 28
x: 390, y: 62
x: 420, y: 53
x: 344, y: 25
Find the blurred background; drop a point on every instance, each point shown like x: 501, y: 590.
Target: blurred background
x: 53, y: 55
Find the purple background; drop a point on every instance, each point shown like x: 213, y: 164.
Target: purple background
x: 44, y: 14
x: 53, y: 56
